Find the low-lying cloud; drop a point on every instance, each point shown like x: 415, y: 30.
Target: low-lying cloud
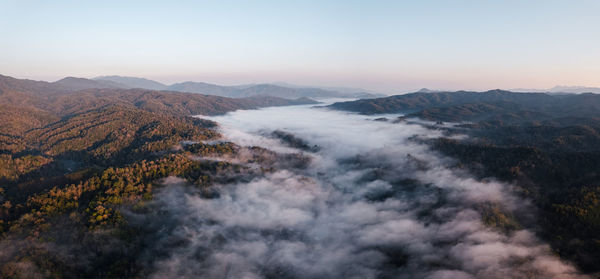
x: 371, y: 204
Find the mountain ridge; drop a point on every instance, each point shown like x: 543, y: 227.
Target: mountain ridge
x: 76, y: 83
x: 240, y: 91
x: 579, y: 104
x: 134, y: 82
x: 565, y: 89
x: 67, y: 96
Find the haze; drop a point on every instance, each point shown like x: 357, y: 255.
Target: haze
x: 390, y: 46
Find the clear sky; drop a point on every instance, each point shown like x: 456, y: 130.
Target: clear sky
x: 382, y: 45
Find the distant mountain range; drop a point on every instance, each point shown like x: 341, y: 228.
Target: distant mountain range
x: 562, y: 89
x: 133, y: 82
x: 74, y: 95
x: 83, y: 83
x: 330, y: 88
x: 242, y: 91
x: 559, y: 89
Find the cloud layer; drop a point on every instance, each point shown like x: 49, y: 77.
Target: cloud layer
x: 372, y: 204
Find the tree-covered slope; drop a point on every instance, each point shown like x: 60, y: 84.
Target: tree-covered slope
x: 76, y: 165
x: 547, y: 145
x: 461, y: 104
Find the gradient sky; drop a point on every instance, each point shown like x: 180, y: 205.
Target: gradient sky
x: 390, y: 46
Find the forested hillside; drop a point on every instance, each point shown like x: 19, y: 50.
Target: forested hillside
x: 62, y: 99
x: 547, y: 145
x: 72, y: 161
x: 466, y: 106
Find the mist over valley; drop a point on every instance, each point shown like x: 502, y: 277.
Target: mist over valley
x: 299, y: 139
x: 293, y: 191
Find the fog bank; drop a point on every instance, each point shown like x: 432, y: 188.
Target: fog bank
x: 373, y: 203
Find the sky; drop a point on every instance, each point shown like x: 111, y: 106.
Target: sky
x: 387, y: 46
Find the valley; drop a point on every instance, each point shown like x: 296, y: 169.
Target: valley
x: 145, y: 183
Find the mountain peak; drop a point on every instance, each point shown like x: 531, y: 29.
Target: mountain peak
x: 133, y: 82
x: 427, y: 90
x: 75, y: 83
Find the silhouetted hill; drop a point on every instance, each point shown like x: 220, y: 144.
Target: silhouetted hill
x: 204, y: 88
x: 574, y: 89
x: 74, y: 83
x: 264, y: 90
x: 562, y: 89
x: 241, y: 91
x: 351, y: 91
x: 42, y: 88
x: 10, y: 85
x: 134, y: 82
